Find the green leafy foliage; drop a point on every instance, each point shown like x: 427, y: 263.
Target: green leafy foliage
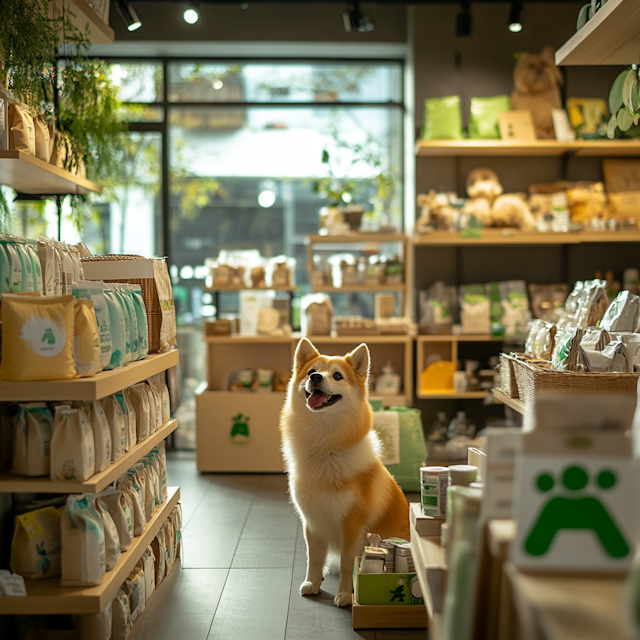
x: 624, y: 103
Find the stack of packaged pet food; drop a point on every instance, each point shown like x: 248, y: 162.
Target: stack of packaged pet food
x: 76, y: 440
x: 260, y: 380
x: 133, y: 597
x: 392, y: 555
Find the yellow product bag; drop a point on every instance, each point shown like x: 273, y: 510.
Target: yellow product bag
x: 41, y: 138
x: 22, y: 134
x: 35, y: 548
x: 86, y: 342
x: 37, y: 337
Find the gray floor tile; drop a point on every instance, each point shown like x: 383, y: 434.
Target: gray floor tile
x: 254, y: 604
x: 265, y: 553
x: 169, y: 626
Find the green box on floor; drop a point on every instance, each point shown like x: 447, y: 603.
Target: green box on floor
x: 386, y: 588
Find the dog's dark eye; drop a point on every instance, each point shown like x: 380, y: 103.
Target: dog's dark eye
x: 311, y: 371
x: 337, y: 376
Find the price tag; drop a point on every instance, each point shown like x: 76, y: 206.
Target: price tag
x: 12, y: 585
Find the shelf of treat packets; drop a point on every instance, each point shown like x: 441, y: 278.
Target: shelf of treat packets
x: 356, y: 237
x: 95, y: 387
x: 611, y: 36
x: 10, y: 483
x: 511, y: 236
x: 451, y: 148
x: 49, y: 597
x: 27, y: 174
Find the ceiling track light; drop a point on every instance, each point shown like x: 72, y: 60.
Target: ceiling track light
x: 128, y: 14
x: 355, y: 20
x: 464, y: 21
x: 191, y: 14
x: 515, y: 17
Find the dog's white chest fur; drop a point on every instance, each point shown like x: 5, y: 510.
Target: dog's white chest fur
x: 321, y: 509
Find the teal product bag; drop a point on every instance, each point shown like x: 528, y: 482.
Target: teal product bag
x: 16, y: 267
x: 442, y: 119
x: 94, y: 290
x: 143, y: 325
x: 35, y: 263
x: 483, y: 117
x: 119, y: 296
x: 126, y: 295
x: 404, y: 448
x: 27, y: 267
x: 118, y: 329
x: 5, y: 270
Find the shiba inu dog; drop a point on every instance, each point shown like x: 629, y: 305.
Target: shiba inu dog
x: 338, y: 484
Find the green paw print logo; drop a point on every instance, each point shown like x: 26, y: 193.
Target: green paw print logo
x: 48, y: 337
x: 576, y: 510
x: 240, y: 428
x: 398, y: 593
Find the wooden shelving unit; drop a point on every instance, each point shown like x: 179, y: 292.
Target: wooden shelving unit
x: 444, y: 395
x: 21, y: 484
x: 83, y: 15
x: 478, y: 148
x: 96, y: 387
x: 27, y: 174
x: 461, y: 337
x: 612, y: 36
x: 515, y: 403
x: 49, y: 597
x: 239, y: 289
x: 355, y: 238
x: 508, y: 236
x: 360, y: 288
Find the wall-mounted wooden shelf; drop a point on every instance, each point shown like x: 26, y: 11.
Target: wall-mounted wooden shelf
x: 458, y: 338
x: 515, y: 403
x: 612, y: 36
x: 99, y: 386
x: 83, y: 15
x: 100, y: 481
x: 508, y: 236
x: 27, y: 174
x: 476, y: 148
x: 48, y: 596
x: 237, y: 290
x: 359, y: 288
x: 377, y: 339
x: 356, y: 238
x: 451, y: 395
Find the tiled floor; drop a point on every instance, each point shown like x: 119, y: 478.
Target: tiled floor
x: 243, y: 560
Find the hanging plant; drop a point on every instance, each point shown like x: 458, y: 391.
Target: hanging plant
x: 624, y: 102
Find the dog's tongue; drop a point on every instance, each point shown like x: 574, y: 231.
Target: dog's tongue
x: 316, y: 399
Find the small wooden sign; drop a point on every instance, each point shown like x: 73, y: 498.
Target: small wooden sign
x: 516, y: 126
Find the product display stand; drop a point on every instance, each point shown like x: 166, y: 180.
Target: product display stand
x: 48, y: 596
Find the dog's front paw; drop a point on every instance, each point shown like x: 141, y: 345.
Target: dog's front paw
x: 309, y: 589
x: 343, y: 599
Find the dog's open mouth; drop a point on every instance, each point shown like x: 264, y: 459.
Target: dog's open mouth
x: 319, y: 400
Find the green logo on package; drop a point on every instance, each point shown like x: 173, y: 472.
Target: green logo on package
x: 240, y: 429
x: 577, y: 512
x: 48, y: 336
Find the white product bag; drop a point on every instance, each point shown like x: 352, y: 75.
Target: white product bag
x: 16, y: 267
x: 136, y: 499
x: 159, y: 549
x: 78, y: 271
x: 129, y: 416
x: 83, y: 553
x: 149, y: 490
x: 166, y: 401
x: 139, y: 399
x: 72, y: 447
x: 165, y: 295
x: 95, y: 291
x: 27, y: 267
x: 121, y: 513
x: 35, y: 265
x: 32, y: 440
x: 57, y: 413
x: 111, y: 536
x: 134, y: 588
x: 148, y: 564
x: 162, y: 457
x: 101, y: 436
x: 120, y: 616
x: 131, y: 350
x: 115, y: 421
x: 156, y: 406
x: 35, y: 548
x: 118, y: 329
x: 67, y: 269
x: 94, y: 626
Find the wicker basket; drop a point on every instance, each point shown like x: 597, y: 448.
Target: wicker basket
x: 149, y: 295
x: 534, y: 376
x: 508, y: 382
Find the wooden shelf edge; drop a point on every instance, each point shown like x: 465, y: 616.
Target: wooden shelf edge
x: 96, y: 387
x: 356, y: 238
x: 490, y: 237
x: 437, y: 395
x: 460, y: 337
x: 515, y: 403
x: 427, y: 552
x: 69, y: 600
x: 359, y: 288
x: 101, y: 32
x: 373, y: 339
x: 82, y: 185
x: 236, y: 290
x: 20, y: 484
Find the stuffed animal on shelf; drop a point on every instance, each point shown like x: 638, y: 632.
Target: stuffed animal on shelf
x: 435, y: 212
x: 537, y: 83
x: 492, y: 208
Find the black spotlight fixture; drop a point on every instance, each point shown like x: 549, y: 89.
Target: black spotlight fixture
x: 355, y: 20
x: 463, y: 21
x: 129, y: 15
x: 515, y: 17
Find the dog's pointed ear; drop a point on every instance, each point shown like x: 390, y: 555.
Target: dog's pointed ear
x: 305, y: 351
x: 359, y: 360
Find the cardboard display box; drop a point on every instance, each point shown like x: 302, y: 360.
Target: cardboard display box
x: 390, y: 589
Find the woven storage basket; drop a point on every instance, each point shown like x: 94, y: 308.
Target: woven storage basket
x: 533, y: 377
x: 149, y: 295
x: 507, y: 376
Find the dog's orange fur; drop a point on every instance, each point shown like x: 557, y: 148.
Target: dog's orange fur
x: 338, y: 484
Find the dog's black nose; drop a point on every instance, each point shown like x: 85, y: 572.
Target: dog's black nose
x: 316, y: 378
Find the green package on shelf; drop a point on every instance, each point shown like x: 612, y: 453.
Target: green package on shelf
x: 483, y: 117
x: 442, y: 119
